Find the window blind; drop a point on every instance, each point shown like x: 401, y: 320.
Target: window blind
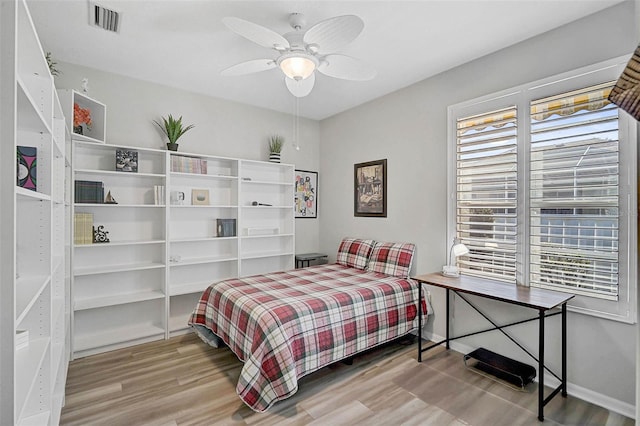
x: 573, y: 199
x: 486, y: 189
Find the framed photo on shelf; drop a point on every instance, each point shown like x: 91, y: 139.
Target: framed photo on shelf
x: 200, y: 197
x: 306, y: 194
x: 180, y: 196
x: 27, y: 167
x: 370, y: 189
x: 126, y: 161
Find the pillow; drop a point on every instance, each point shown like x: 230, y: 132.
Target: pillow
x: 354, y: 252
x: 392, y: 259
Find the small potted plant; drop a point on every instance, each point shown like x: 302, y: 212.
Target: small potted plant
x: 81, y: 116
x: 275, y: 146
x: 173, y: 129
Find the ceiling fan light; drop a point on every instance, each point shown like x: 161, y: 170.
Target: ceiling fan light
x: 298, y: 67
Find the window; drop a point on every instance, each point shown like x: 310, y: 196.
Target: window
x: 486, y: 180
x: 542, y: 189
x: 573, y: 196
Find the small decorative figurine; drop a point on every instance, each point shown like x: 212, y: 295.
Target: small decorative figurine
x: 85, y: 85
x: 109, y: 199
x: 100, y: 235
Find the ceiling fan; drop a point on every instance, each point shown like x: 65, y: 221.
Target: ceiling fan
x: 301, y: 53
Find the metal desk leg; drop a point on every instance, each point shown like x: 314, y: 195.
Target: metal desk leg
x: 564, y: 349
x: 419, y: 322
x: 541, y: 367
x: 447, y: 318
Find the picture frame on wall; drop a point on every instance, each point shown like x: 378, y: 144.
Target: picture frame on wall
x: 306, y: 194
x: 370, y: 189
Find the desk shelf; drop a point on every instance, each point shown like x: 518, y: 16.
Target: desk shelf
x: 507, y: 370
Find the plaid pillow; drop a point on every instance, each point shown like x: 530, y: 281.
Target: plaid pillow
x: 354, y: 252
x: 392, y: 259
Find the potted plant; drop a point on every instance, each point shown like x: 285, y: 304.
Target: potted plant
x: 275, y: 146
x: 81, y: 116
x: 173, y: 129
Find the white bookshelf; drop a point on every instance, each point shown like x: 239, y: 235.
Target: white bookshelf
x: 34, y: 291
x: 145, y: 282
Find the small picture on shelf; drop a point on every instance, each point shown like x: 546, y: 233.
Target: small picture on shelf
x: 27, y: 167
x: 126, y: 160
x: 200, y: 197
x: 180, y: 196
x: 226, y: 227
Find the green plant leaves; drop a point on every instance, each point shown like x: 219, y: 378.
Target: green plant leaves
x: 173, y: 128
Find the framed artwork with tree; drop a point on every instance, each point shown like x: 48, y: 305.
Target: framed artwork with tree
x: 370, y: 189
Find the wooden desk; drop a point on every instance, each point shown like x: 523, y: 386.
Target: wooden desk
x: 534, y: 298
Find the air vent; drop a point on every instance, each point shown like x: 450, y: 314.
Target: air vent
x: 104, y: 18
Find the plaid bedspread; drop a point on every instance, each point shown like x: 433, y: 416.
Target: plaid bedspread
x: 288, y: 324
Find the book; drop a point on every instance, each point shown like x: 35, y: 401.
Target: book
x: 78, y: 228
x: 83, y: 228
x: 226, y: 227
x: 87, y: 191
x: 158, y: 195
x: 87, y: 231
x: 27, y: 167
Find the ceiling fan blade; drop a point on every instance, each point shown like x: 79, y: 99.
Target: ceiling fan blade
x: 334, y: 33
x: 248, y: 67
x: 256, y: 33
x: 345, y: 67
x: 300, y: 88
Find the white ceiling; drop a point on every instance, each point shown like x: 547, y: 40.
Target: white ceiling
x: 183, y: 43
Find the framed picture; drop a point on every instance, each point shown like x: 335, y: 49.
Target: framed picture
x: 27, y: 167
x: 306, y: 194
x: 126, y: 161
x: 370, y: 189
x: 200, y: 197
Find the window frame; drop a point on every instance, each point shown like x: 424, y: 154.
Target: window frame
x: 624, y: 309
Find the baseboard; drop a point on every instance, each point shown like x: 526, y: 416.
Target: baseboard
x: 585, y: 394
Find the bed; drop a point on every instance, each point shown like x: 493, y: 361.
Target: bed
x: 288, y: 324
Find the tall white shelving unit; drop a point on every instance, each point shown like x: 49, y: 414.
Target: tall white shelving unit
x: 118, y: 287
x: 162, y: 254
x: 34, y: 291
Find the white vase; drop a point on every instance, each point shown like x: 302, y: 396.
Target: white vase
x: 274, y: 157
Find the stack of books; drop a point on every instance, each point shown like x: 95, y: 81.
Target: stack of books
x: 83, y: 228
x: 188, y: 165
x: 226, y: 227
x: 158, y: 195
x: 22, y: 339
x: 87, y: 191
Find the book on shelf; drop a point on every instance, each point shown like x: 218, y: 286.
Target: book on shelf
x: 158, y: 195
x: 88, y: 191
x: 22, y: 339
x: 182, y: 164
x: 83, y: 228
x: 226, y: 227
x: 27, y: 167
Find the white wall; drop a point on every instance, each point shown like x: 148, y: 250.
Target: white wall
x: 409, y: 128
x: 222, y: 127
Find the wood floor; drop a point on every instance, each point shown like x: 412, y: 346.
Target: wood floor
x: 182, y: 381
